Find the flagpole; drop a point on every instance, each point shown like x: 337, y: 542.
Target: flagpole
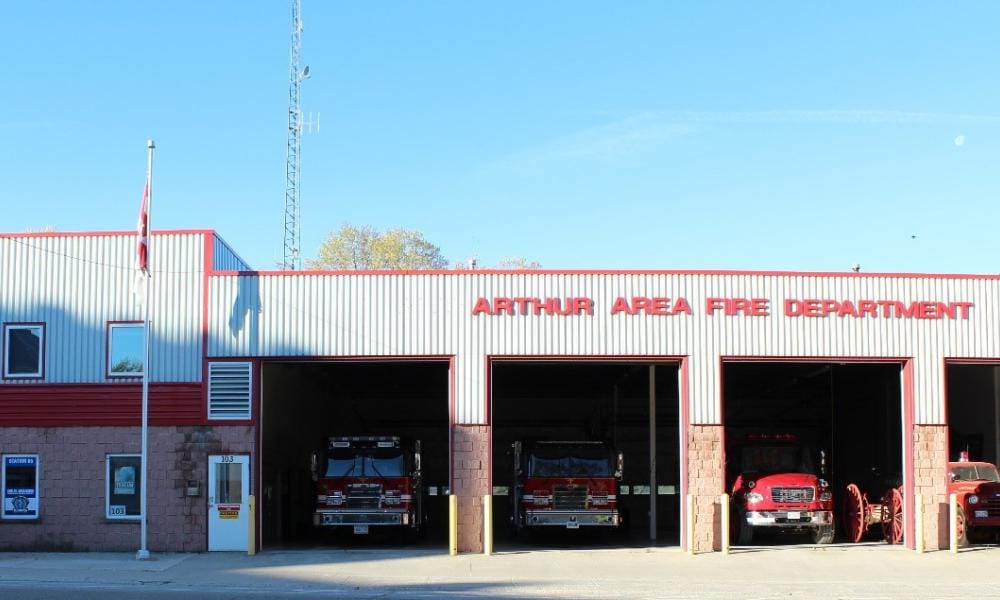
x: 143, y: 553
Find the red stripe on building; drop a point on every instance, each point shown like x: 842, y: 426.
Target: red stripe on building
x: 100, y: 404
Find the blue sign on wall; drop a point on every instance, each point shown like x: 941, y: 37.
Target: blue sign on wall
x: 20, y: 486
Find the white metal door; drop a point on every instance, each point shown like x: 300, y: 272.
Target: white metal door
x: 228, y: 490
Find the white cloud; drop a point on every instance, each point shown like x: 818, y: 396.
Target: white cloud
x: 634, y: 132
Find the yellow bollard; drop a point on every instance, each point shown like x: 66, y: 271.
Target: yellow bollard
x: 953, y: 523
x: 918, y: 515
x: 453, y: 525
x: 724, y: 508
x: 690, y: 523
x: 488, y: 524
x: 252, y: 528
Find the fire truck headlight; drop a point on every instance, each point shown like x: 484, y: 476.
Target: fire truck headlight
x: 973, y: 499
x: 754, y: 497
x: 825, y: 496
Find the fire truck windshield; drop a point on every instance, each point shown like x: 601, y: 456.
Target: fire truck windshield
x: 975, y: 473
x: 776, y: 459
x: 570, y: 462
x: 375, y: 463
x: 341, y: 467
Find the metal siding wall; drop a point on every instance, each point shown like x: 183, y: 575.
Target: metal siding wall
x: 77, y: 283
x: 224, y: 258
x: 419, y: 315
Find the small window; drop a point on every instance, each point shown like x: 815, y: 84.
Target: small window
x: 20, y: 486
x: 23, y: 350
x: 124, y: 486
x: 125, y: 349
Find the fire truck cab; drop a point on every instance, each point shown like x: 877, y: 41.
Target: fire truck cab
x: 568, y: 484
x: 779, y: 487
x: 368, y: 481
x: 977, y: 485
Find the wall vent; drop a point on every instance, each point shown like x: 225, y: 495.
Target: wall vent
x: 229, y: 390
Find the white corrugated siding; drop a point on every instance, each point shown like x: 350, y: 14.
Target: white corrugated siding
x: 398, y: 315
x: 75, y: 284
x: 224, y: 258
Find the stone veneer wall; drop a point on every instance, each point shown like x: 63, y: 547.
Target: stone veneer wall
x: 930, y: 465
x: 705, y: 482
x: 73, y: 485
x: 470, y: 482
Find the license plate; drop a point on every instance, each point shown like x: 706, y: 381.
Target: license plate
x: 572, y: 525
x: 982, y: 514
x: 793, y: 515
x: 360, y: 529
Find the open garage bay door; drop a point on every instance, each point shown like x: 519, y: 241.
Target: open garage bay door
x: 339, y: 453
x: 973, y: 397
x: 813, y: 450
x: 559, y: 431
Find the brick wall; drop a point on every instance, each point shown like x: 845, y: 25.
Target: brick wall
x: 705, y: 482
x: 930, y: 463
x: 470, y: 482
x: 73, y: 485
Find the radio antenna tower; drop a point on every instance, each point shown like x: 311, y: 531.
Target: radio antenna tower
x: 293, y: 161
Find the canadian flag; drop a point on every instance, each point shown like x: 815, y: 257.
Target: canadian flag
x: 142, y: 228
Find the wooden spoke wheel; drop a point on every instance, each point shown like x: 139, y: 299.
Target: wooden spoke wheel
x: 855, y: 514
x: 892, y: 516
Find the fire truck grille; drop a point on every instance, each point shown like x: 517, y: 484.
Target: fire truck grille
x: 793, y: 494
x: 992, y: 505
x: 569, y: 497
x: 363, y: 496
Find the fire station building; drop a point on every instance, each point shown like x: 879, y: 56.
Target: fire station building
x: 890, y: 375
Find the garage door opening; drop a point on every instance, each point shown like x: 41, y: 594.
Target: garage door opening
x: 377, y: 411
x: 973, y: 411
x: 814, y: 451
x: 560, y: 427
x: 973, y: 400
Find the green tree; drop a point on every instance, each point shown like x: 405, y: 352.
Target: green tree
x: 363, y: 247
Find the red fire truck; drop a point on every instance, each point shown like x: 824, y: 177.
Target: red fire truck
x: 779, y: 488
x: 565, y: 484
x: 977, y: 485
x: 368, y: 481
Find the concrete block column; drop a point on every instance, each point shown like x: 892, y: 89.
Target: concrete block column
x: 470, y: 457
x: 930, y: 464
x: 706, y: 474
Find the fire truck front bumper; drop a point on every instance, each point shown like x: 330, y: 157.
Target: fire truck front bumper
x: 789, y: 518
x: 572, y: 519
x: 349, y: 518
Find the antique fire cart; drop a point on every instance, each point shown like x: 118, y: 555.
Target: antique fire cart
x: 859, y: 514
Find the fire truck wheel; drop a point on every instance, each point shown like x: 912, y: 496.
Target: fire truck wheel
x: 744, y: 531
x: 963, y: 530
x: 823, y: 534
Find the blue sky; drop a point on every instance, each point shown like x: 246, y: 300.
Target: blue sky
x: 577, y: 134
